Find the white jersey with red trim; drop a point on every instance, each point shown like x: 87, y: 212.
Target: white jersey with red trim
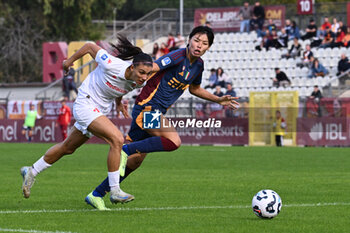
x: 107, y: 82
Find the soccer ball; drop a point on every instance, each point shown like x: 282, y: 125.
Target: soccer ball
x: 266, y: 204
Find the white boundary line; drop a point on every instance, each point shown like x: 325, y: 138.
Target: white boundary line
x: 166, y: 208
x: 30, y: 231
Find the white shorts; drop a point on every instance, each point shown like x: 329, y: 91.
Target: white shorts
x: 84, y: 112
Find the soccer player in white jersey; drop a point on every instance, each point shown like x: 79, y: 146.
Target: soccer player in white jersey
x: 113, y: 78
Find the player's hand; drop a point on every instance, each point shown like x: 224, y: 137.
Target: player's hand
x: 122, y: 108
x: 229, y: 101
x: 65, y: 67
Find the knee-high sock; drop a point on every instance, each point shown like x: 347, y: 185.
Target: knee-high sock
x: 103, y: 188
x: 152, y: 144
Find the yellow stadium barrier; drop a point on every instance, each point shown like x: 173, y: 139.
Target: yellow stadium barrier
x: 262, y: 110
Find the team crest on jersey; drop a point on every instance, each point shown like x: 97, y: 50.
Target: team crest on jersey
x: 166, y: 61
x: 104, y: 57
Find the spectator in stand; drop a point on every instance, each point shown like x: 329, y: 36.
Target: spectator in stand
x: 271, y: 26
x: 343, y: 27
x: 339, y: 39
x: 314, y: 105
x: 216, y: 109
x: 294, y: 32
x: 271, y: 40
x: 288, y: 26
x: 263, y: 40
x: 322, y: 30
x: 180, y: 41
x: 292, y: 29
x: 231, y: 92
x: 335, y: 26
x: 294, y: 51
x: 282, y: 39
x: 171, y: 42
x: 29, y: 122
x: 317, y: 69
x: 311, y: 30
x: 222, y: 77
x: 163, y: 49
x: 69, y: 83
x: 156, y: 51
x: 343, y: 64
x: 258, y: 18
x: 245, y: 14
x: 316, y: 93
x: 328, y: 39
x: 306, y: 58
x: 281, y: 79
x: 346, y: 39
x: 218, y: 91
x: 64, y: 118
x: 259, y: 13
x: 213, y: 79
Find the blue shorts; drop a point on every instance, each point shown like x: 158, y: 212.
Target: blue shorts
x: 136, y: 132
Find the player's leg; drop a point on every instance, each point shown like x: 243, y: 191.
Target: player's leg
x: 281, y: 140
x: 278, y: 140
x: 94, y: 198
x: 103, y: 128
x: 68, y: 146
x: 64, y: 130
x: 163, y: 139
x: 134, y: 161
x: 137, y: 134
x: 30, y: 134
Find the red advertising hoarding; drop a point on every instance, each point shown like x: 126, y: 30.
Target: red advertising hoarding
x: 232, y: 131
x: 227, y: 19
x: 323, y: 131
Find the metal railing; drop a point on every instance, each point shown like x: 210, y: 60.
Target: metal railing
x: 59, y: 81
x: 157, y: 23
x: 340, y: 87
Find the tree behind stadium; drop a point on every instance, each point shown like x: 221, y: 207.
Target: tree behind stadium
x: 26, y: 24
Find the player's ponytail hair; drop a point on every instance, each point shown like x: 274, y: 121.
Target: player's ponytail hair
x: 127, y: 51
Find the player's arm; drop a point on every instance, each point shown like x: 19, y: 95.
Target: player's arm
x: 88, y: 48
x: 155, y: 67
x: 165, y: 62
x: 121, y: 108
x: 225, y: 100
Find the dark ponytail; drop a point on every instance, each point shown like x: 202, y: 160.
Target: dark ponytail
x: 126, y: 51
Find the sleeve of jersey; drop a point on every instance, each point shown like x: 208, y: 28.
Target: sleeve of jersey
x: 169, y: 60
x: 103, y: 58
x: 198, y: 79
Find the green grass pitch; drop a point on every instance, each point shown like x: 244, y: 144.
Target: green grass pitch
x: 194, y: 189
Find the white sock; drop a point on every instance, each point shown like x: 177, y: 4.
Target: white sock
x: 113, y: 179
x: 40, y: 166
